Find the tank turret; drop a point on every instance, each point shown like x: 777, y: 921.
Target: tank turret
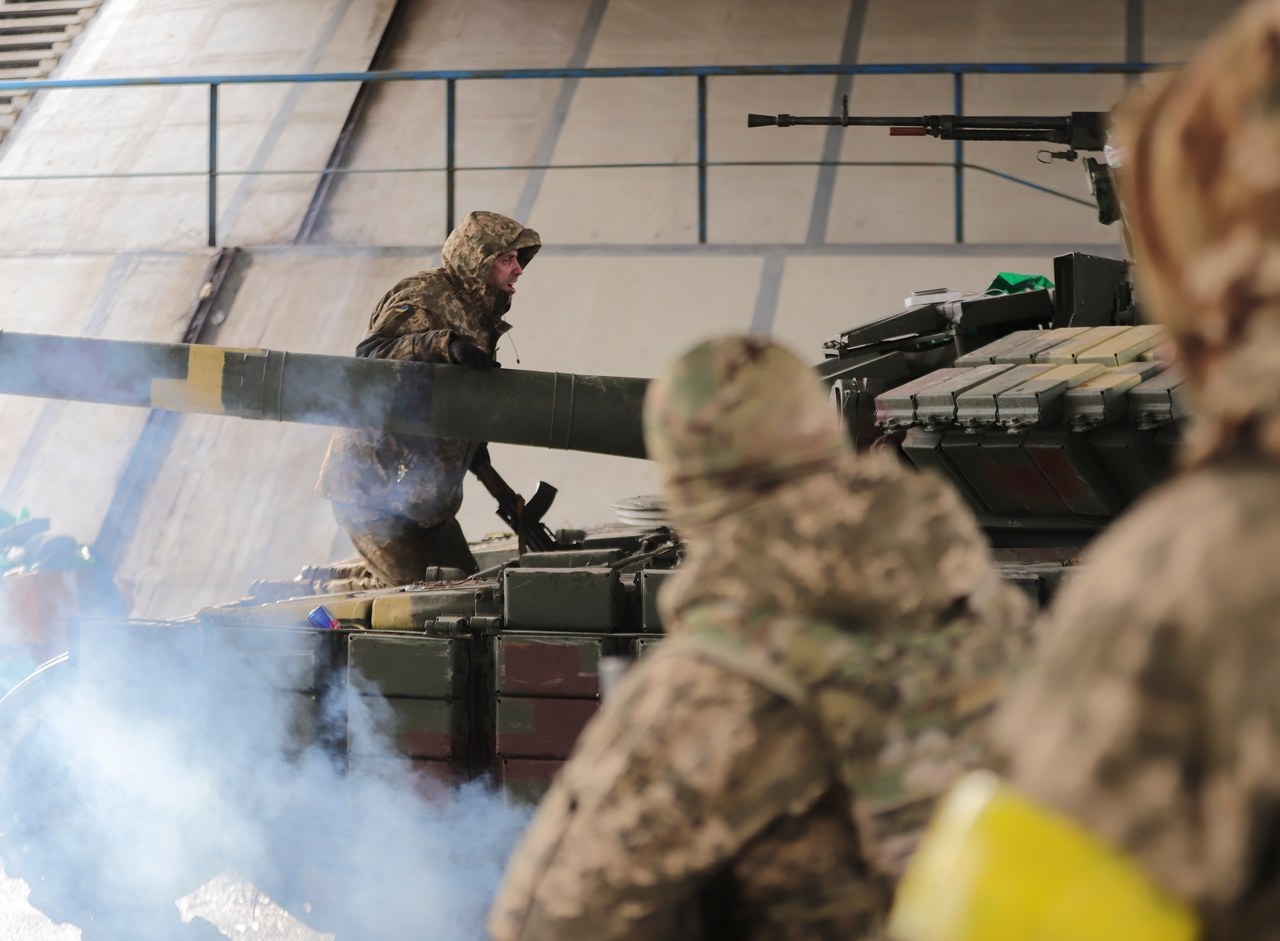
x: 1050, y: 409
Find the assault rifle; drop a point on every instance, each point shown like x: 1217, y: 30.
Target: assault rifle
x: 523, y: 516
x: 1077, y: 131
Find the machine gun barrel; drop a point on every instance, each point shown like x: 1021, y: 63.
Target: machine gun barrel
x: 1079, y: 130
x: 600, y: 414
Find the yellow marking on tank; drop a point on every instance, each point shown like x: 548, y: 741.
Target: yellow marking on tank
x: 393, y: 612
x: 201, y: 391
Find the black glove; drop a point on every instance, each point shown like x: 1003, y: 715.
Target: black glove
x: 480, y: 459
x: 466, y: 353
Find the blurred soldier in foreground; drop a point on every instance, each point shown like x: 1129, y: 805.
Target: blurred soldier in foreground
x: 397, y: 496
x: 1141, y: 798
x: 837, y: 634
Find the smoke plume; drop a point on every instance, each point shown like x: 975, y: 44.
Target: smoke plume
x: 207, y: 765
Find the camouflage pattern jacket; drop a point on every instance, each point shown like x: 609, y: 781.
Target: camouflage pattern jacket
x: 1152, y: 714
x: 417, y: 477
x: 835, y: 647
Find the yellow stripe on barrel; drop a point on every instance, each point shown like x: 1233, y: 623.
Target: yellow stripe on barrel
x: 201, y: 391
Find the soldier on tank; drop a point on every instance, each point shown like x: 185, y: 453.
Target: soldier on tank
x: 398, y: 496
x: 1141, y: 793
x: 837, y: 632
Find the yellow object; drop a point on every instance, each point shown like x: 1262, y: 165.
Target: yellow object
x: 201, y: 391
x: 994, y: 866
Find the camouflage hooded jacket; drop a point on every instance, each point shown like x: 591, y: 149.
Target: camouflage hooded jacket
x: 764, y: 773
x: 1152, y: 713
x: 417, y: 477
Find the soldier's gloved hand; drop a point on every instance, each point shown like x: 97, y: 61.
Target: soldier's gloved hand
x: 480, y: 459
x: 466, y: 353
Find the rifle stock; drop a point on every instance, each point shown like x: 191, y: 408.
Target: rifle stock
x: 524, y: 518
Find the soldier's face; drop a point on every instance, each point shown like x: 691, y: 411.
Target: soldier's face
x: 506, y: 268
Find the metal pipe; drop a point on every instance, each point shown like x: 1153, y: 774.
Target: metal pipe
x: 213, y: 165
x: 702, y: 160
x: 957, y: 91
x: 918, y: 68
x: 451, y: 170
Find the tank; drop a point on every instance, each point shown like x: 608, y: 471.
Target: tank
x: 1049, y: 409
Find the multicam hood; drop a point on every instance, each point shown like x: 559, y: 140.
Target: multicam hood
x: 472, y: 246
x: 1201, y: 188
x: 781, y: 517
x: 457, y: 297
x: 733, y: 419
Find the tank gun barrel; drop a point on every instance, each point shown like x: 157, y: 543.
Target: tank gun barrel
x: 599, y: 414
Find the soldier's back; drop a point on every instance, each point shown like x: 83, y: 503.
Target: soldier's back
x: 1153, y: 715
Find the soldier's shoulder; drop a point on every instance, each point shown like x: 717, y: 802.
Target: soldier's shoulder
x: 1193, y: 549
x: 417, y: 287
x: 424, y: 276
x: 1200, y: 512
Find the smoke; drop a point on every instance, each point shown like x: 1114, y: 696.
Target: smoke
x: 172, y: 778
x: 21, y: 649
x: 17, y: 661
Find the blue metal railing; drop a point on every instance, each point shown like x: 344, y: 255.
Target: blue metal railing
x: 958, y: 72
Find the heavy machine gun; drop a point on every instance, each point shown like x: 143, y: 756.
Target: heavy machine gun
x: 1077, y: 131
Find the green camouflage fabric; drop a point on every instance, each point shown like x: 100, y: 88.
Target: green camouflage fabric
x: 1152, y: 712
x: 420, y: 478
x: 838, y: 636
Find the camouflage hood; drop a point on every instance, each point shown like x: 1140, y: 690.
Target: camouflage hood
x: 472, y: 246
x: 780, y: 516
x: 733, y: 419
x: 1201, y: 188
